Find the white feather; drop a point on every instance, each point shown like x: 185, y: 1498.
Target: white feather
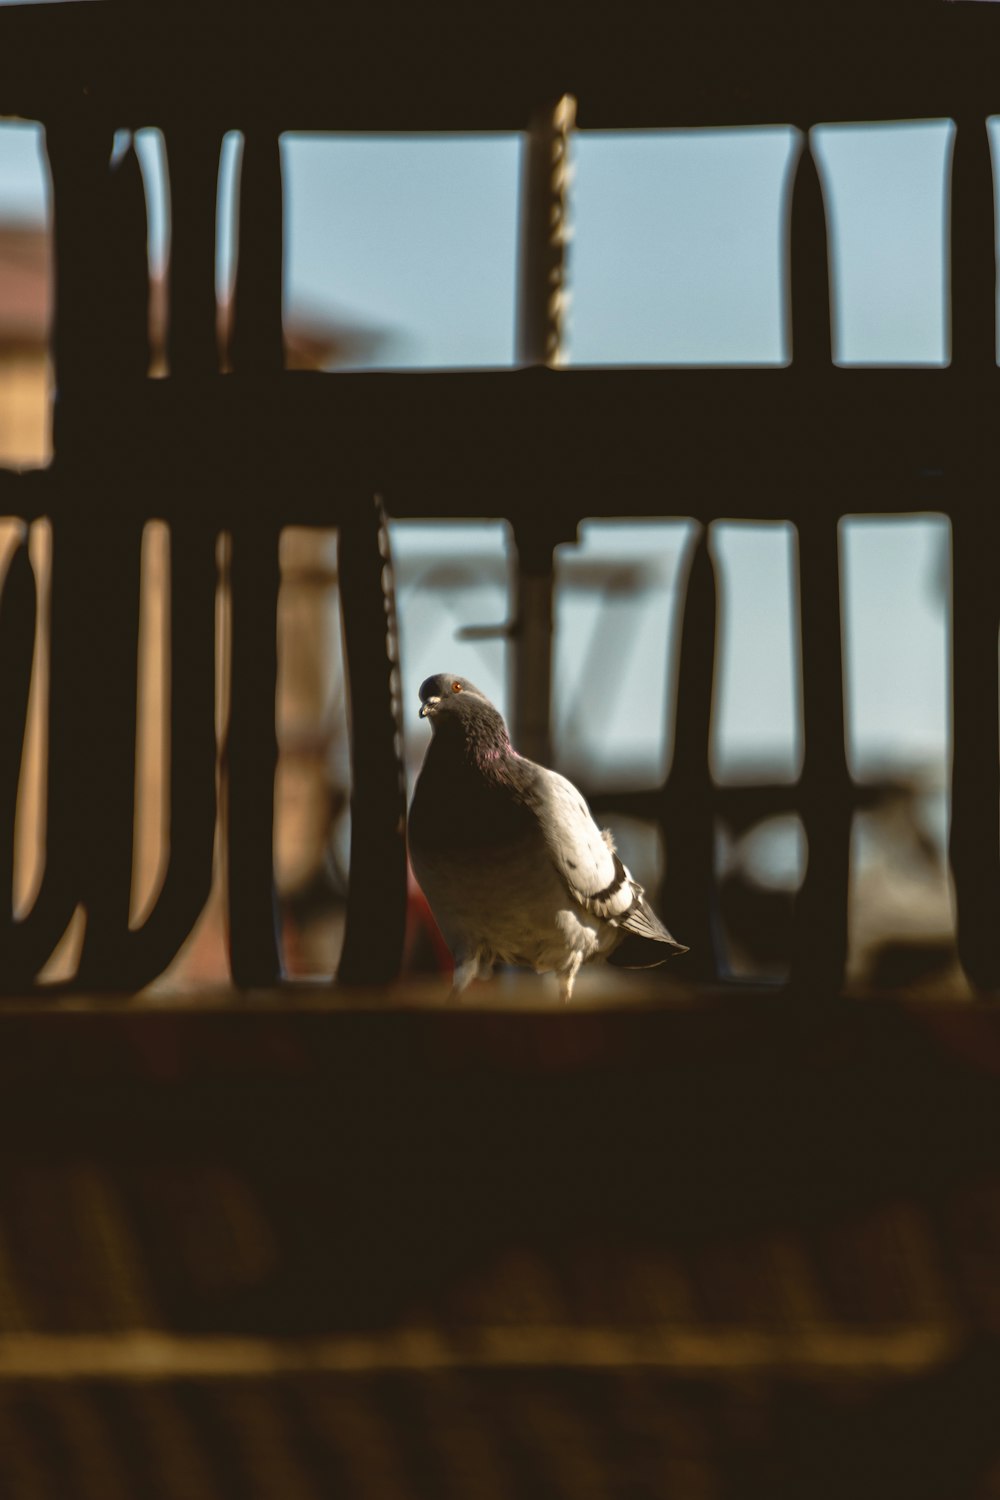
x: 583, y: 854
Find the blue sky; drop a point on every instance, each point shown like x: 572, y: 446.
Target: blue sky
x: 677, y: 257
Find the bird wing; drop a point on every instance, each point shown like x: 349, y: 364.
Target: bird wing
x: 583, y: 855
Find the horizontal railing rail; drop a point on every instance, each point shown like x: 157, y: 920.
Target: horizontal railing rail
x: 394, y: 67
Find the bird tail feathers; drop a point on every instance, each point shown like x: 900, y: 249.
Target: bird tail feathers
x: 635, y: 952
x: 646, y: 942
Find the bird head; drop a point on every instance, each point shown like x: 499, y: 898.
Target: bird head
x: 464, y: 718
x: 446, y: 696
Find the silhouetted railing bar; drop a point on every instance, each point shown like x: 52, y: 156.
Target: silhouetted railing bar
x: 108, y: 630
x: 544, y: 237
x: 819, y: 945
x: 109, y: 611
x: 975, y: 801
x: 434, y: 72
x: 257, y: 344
x: 447, y: 443
x: 18, y: 609
x: 688, y: 812
x: 250, y: 758
x: 33, y: 937
x: 252, y: 747
x: 17, y: 641
x: 88, y: 813
x: 531, y: 639
x: 973, y: 250
x: 975, y: 790
x: 79, y: 152
x: 742, y: 806
x: 192, y: 327
x: 819, y: 948
x: 541, y: 330
x: 809, y: 295
x: 376, y: 899
x: 187, y: 880
x: 126, y: 327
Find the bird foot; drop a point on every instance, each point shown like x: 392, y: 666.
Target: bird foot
x: 468, y: 969
x: 566, y: 982
x: 565, y: 991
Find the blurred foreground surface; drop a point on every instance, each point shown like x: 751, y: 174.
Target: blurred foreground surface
x: 369, y: 1245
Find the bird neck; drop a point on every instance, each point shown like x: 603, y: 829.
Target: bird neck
x: 481, y: 745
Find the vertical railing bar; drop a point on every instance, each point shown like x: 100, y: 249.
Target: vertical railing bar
x: 79, y: 148
x: 810, y: 303
x: 257, y: 342
x: 975, y: 770
x: 252, y: 747
x: 111, y: 636
x: 543, y: 300
x: 29, y: 941
x: 191, y: 766
x: 251, y: 756
x: 192, y: 318
x: 819, y: 943
x: 18, y: 604
x: 690, y: 890
x: 79, y: 152
x: 114, y: 552
x: 820, y: 932
x: 126, y: 309
x: 975, y: 798
x: 541, y: 342
x: 376, y: 900
x: 973, y: 251
x: 35, y: 935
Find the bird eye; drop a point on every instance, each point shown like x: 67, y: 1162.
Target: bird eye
x: 456, y: 687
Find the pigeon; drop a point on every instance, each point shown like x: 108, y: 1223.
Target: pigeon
x: 507, y: 853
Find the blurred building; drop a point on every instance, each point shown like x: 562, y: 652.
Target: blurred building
x: 25, y: 302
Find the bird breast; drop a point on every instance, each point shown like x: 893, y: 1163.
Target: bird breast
x: 507, y: 898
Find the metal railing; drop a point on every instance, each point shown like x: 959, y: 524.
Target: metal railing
x: 250, y: 452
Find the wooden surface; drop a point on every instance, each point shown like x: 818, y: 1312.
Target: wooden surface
x: 294, y: 1244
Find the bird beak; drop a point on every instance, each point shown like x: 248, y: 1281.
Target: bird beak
x: 428, y: 706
